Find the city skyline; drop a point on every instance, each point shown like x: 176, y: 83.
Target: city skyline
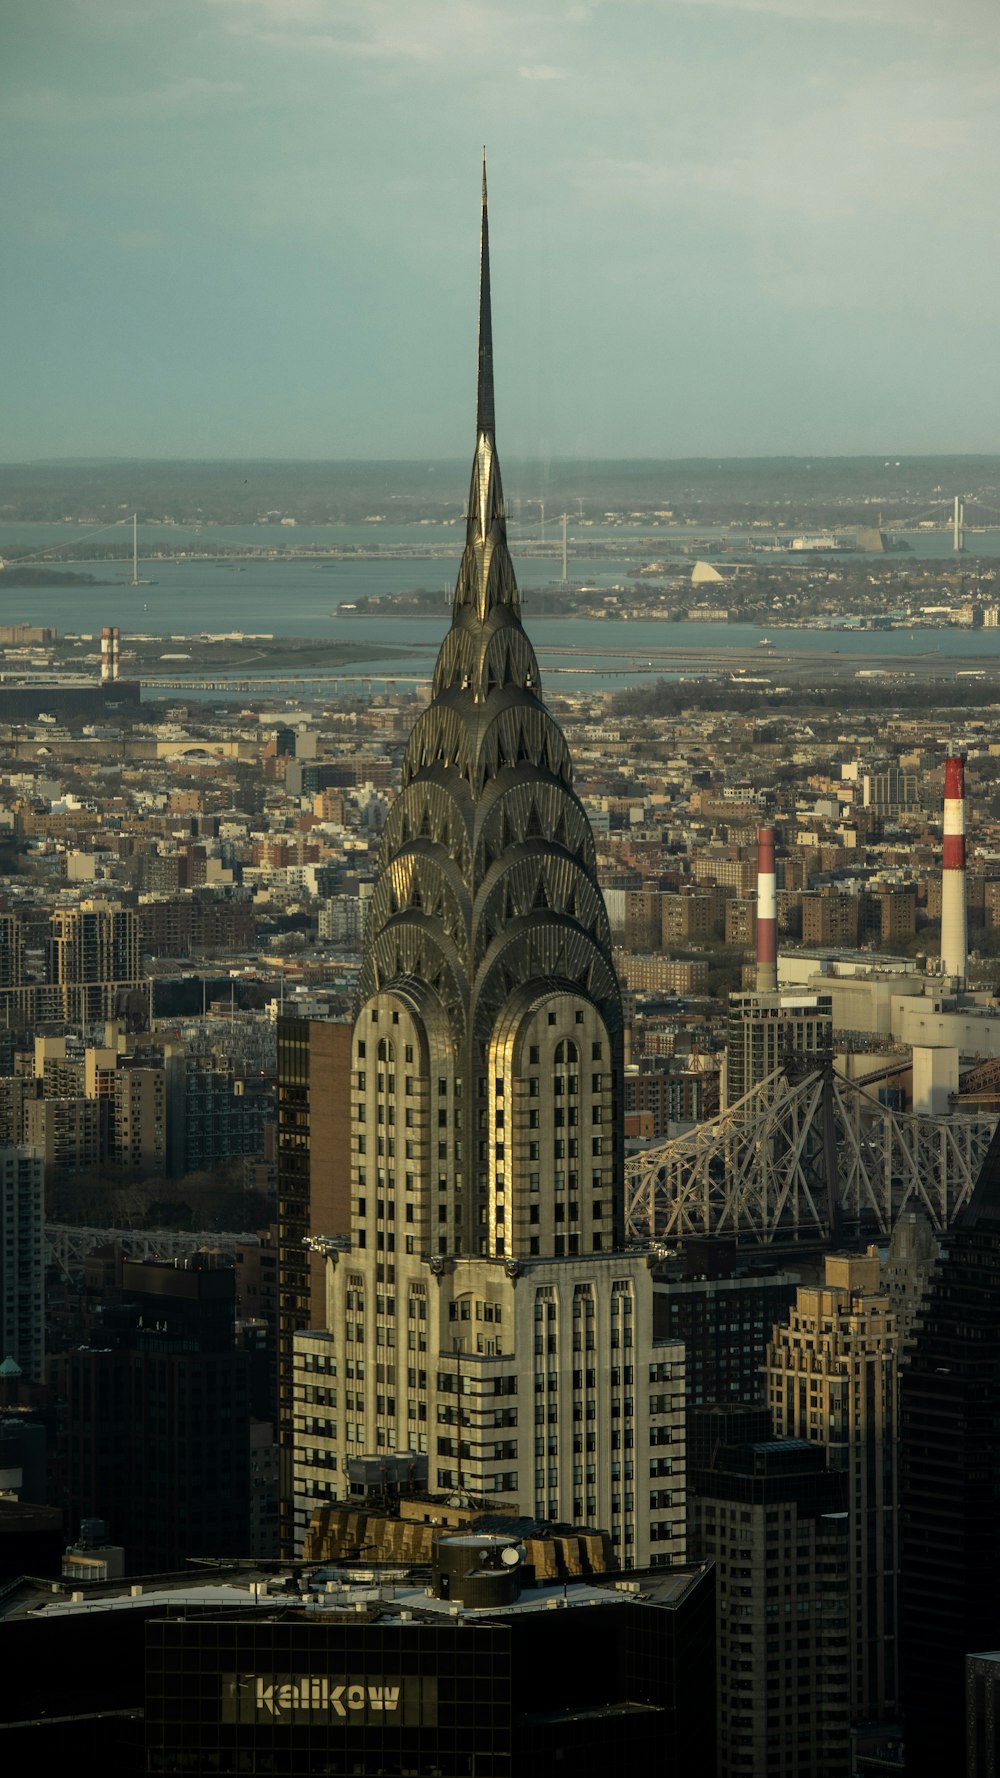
x: 504, y: 1130
x: 745, y: 219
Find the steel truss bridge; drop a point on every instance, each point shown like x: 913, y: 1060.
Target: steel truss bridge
x: 804, y: 1160
x: 67, y: 1247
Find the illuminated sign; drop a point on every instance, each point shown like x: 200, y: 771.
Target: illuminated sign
x: 328, y: 1698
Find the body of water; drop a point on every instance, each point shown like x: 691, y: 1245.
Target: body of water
x: 300, y: 598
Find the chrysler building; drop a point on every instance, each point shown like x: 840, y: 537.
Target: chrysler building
x: 485, y: 1313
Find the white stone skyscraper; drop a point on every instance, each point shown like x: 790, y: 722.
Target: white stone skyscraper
x: 486, y: 1314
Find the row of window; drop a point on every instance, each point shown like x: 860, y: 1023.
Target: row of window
x: 565, y: 1051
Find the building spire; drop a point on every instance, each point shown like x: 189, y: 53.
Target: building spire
x: 485, y: 416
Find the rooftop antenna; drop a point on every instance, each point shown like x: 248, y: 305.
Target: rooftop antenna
x: 135, y: 549
x: 565, y: 563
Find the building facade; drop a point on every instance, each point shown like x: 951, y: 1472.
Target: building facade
x: 766, y: 1029
x: 314, y: 1185
x: 242, y: 1670
x: 156, y: 1440
x: 22, y: 1259
x: 832, y: 1378
x: 772, y: 1518
x: 949, y: 1414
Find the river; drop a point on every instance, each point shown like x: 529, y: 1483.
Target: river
x: 300, y: 598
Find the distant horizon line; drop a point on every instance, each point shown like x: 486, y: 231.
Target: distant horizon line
x: 890, y: 456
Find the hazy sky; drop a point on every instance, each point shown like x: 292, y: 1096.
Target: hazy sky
x: 250, y: 227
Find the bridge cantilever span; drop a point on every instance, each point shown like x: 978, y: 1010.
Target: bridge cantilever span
x: 806, y: 1160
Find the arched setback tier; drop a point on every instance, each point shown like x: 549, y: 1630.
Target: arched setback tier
x: 408, y: 1163
x: 536, y: 877
x: 420, y: 880
x: 518, y: 806
x: 413, y: 945
x: 555, y: 1126
x: 435, y: 808
x: 478, y: 659
x: 533, y: 951
x: 511, y: 728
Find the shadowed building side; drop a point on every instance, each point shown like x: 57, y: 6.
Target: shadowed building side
x: 950, y: 1482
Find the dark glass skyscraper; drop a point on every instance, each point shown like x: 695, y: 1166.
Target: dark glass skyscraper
x: 950, y: 1484
x: 157, y: 1435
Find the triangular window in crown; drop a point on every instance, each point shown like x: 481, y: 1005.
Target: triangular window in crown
x: 533, y: 829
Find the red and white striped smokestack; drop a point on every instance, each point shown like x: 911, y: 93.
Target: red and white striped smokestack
x: 767, y: 913
x: 954, y: 916
x: 115, y: 665
x: 105, y: 655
